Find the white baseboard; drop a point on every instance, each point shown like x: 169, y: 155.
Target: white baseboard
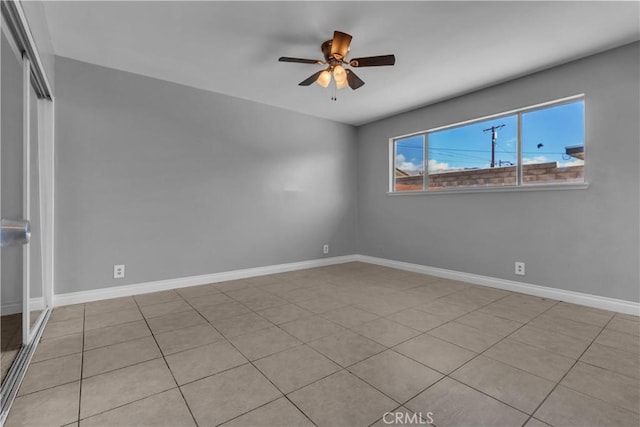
x: 183, y: 282
x: 16, y: 307
x: 595, y: 301
x: 621, y: 306
x: 11, y: 308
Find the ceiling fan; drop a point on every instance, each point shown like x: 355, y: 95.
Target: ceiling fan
x: 335, y: 55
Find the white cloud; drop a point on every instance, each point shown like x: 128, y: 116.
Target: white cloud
x: 407, y: 166
x: 434, y: 165
x: 534, y: 160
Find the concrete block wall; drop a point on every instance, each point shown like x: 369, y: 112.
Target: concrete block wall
x: 506, y: 175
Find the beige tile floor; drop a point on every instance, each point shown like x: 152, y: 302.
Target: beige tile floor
x: 333, y: 346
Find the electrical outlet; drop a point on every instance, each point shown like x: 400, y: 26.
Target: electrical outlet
x: 520, y: 268
x: 118, y: 271
x: 325, y: 249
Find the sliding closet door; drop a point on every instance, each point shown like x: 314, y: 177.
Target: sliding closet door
x: 26, y: 199
x: 12, y: 202
x: 23, y: 301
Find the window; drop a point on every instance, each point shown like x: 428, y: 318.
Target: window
x: 532, y: 146
x: 409, y: 157
x: 553, y: 144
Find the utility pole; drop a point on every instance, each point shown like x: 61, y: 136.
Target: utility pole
x: 494, y: 138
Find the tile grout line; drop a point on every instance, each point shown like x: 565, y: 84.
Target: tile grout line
x: 261, y: 373
x: 390, y: 348
x: 449, y: 342
x: 447, y: 375
x: 285, y: 395
x: 156, y: 393
x: 499, y: 341
x: 79, y: 380
x: 422, y: 333
x: 385, y: 349
x: 248, y: 362
x: 117, y: 369
x: 124, y: 367
x: 257, y: 286
x: 345, y: 368
x: 164, y: 359
x: 84, y: 313
x: 119, y: 342
x: 264, y: 376
x: 529, y: 416
x: 571, y: 368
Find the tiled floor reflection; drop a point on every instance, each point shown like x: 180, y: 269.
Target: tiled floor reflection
x: 11, y: 337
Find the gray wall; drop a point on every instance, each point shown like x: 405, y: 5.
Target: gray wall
x: 173, y: 181
x: 578, y: 240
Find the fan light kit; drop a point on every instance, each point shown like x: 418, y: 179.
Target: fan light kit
x: 335, y: 56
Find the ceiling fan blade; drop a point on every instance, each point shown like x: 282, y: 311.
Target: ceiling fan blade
x: 353, y: 80
x: 300, y: 60
x: 373, y: 61
x: 340, y: 44
x: 309, y: 81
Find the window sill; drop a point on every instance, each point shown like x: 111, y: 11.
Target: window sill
x: 505, y: 189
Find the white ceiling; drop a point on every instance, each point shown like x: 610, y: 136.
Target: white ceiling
x: 442, y: 49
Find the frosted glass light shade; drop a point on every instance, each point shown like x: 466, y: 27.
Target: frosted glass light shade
x: 340, y: 75
x: 324, y: 78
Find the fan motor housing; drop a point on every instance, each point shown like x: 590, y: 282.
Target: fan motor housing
x: 328, y: 57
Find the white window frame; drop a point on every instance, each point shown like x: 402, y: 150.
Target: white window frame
x: 518, y: 186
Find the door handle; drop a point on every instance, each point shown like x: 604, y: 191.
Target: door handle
x: 14, y: 232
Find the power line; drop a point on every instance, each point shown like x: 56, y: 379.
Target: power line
x: 463, y: 156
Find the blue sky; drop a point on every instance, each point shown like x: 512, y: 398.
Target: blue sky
x: 545, y: 134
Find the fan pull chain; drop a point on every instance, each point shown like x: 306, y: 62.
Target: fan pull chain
x: 334, y: 96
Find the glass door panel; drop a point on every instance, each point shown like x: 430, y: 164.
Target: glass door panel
x: 36, y: 300
x: 11, y: 199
